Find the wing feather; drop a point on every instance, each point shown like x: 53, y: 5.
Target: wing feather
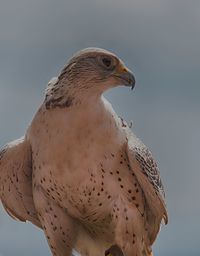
x: 16, y: 181
x: 148, y: 175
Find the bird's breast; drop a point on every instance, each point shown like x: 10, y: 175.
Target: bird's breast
x: 81, y: 162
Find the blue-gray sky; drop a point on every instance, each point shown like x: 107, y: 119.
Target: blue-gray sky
x: 160, y: 41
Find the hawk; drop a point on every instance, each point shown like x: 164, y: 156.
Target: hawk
x: 79, y: 173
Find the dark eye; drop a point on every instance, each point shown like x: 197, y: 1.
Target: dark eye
x: 107, y: 62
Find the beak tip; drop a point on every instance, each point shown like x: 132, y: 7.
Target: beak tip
x: 132, y: 82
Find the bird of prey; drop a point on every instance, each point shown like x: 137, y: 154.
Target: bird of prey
x: 79, y: 173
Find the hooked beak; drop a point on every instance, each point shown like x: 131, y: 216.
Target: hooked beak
x: 125, y: 75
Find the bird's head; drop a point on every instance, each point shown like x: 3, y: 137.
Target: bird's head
x: 92, y: 70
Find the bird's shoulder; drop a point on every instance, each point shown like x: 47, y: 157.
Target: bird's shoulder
x: 148, y: 163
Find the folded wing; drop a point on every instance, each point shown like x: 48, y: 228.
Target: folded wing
x: 147, y: 173
x: 16, y: 181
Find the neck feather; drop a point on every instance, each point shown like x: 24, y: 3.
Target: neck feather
x: 62, y: 95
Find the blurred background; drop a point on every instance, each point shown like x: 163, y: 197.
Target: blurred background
x: 160, y: 41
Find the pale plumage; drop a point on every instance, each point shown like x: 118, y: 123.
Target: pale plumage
x: 79, y: 173
x: 16, y: 181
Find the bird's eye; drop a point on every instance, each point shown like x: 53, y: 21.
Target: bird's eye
x: 107, y: 62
